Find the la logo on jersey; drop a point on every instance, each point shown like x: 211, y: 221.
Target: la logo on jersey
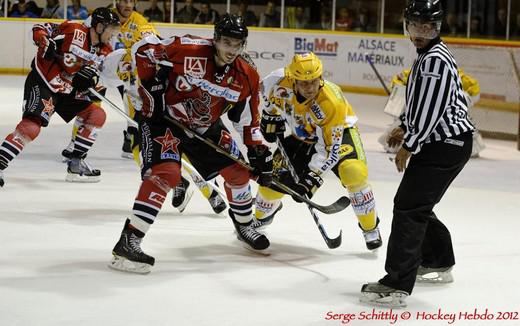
x: 79, y: 38
x: 195, y: 66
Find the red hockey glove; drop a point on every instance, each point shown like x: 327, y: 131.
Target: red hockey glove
x: 47, y: 47
x: 151, y: 93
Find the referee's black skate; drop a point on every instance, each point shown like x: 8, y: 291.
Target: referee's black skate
x: 128, y: 255
x: 381, y: 295
x: 248, y: 235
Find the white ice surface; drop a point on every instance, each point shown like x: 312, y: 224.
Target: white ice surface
x: 56, y: 241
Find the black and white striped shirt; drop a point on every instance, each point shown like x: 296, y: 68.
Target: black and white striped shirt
x: 436, y: 107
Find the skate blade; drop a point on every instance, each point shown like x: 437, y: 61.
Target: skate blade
x: 262, y: 252
x: 187, y: 197
x: 122, y: 264
x: 435, y: 278
x: 129, y: 156
x: 72, y: 177
x: 391, y: 301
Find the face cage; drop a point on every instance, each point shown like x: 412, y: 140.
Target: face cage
x: 426, y: 30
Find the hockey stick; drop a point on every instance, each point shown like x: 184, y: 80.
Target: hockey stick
x: 331, y: 242
x: 114, y: 106
x: 135, y: 124
x: 335, y: 207
x: 367, y: 56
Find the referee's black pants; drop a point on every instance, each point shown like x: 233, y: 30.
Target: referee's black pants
x: 417, y: 236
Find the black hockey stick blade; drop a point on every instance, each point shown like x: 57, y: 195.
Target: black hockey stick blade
x: 334, y: 242
x: 336, y: 207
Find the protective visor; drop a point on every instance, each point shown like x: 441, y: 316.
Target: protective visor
x: 428, y: 30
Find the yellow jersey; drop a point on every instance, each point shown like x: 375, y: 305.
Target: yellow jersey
x: 320, y: 121
x: 132, y: 31
x: 469, y: 84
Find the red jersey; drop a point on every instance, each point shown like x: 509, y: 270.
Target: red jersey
x: 74, y: 49
x: 198, y: 91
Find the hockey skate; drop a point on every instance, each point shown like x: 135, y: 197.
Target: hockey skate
x: 128, y: 255
x: 80, y: 171
x: 181, y: 195
x: 67, y: 152
x: 372, y: 237
x: 382, y: 295
x: 1, y: 178
x: 127, y: 146
x: 260, y: 224
x: 248, y: 235
x: 217, y: 202
x: 430, y: 275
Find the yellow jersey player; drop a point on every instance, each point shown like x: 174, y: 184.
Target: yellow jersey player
x: 323, y: 138
x: 471, y: 89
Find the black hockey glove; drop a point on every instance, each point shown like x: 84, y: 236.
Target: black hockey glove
x: 86, y: 77
x: 261, y: 159
x: 272, y: 126
x: 309, y: 183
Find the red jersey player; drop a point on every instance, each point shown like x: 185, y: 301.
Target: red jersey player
x: 209, y: 78
x: 62, y: 72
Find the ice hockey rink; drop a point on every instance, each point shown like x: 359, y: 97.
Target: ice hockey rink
x: 56, y: 240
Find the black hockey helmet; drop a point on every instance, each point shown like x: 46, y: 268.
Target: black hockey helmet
x: 424, y: 11
x: 232, y: 26
x: 104, y: 16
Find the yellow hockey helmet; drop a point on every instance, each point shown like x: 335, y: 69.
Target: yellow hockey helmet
x: 305, y: 66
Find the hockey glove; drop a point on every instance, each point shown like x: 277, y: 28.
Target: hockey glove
x: 151, y: 93
x: 272, y: 126
x: 261, y: 159
x: 85, y: 78
x: 47, y: 47
x: 309, y: 183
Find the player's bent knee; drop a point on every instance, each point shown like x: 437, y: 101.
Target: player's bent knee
x: 93, y: 115
x: 169, y: 173
x: 235, y: 175
x: 353, y: 173
x: 29, y: 128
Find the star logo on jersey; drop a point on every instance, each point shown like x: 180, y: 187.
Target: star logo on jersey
x: 168, y: 145
x: 48, y: 107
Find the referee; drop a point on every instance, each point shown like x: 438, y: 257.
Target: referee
x: 436, y: 136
